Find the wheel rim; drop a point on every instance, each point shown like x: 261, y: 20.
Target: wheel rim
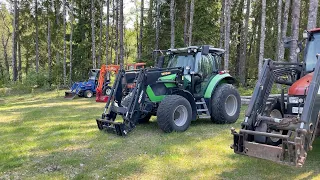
x: 275, y: 113
x: 231, y: 105
x: 180, y: 115
x: 89, y: 94
x: 108, y: 92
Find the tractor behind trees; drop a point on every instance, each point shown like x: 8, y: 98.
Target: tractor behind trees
x: 192, y: 87
x: 284, y: 130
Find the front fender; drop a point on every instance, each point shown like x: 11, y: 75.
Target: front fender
x: 215, y: 81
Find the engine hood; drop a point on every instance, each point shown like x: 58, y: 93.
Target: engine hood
x: 300, y: 87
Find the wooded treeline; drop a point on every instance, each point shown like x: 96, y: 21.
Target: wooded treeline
x: 58, y: 41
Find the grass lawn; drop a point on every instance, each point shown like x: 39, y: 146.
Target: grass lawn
x: 44, y: 136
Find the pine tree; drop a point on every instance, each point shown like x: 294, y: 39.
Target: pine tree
x: 262, y: 32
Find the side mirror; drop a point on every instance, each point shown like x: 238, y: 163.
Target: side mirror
x: 305, y: 34
x: 205, y: 50
x: 318, y: 56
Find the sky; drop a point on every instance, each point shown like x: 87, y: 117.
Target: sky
x: 128, y: 12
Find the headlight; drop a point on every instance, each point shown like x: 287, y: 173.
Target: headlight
x: 294, y: 100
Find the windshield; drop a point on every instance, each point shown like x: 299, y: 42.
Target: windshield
x: 93, y: 75
x: 182, y: 61
x: 312, y: 50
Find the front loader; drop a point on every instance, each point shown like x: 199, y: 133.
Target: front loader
x: 191, y: 87
x: 283, y: 130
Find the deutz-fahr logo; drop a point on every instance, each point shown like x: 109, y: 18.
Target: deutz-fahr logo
x: 165, y: 73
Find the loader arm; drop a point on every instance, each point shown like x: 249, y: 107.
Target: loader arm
x: 258, y: 126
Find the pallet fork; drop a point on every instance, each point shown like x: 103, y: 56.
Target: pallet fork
x: 113, y: 106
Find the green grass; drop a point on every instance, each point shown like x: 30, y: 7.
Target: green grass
x: 44, y: 136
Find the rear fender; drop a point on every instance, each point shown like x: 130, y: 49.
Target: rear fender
x: 215, y: 81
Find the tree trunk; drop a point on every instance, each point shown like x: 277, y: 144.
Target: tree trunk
x: 279, y: 15
x: 172, y: 19
x: 19, y: 60
x: 37, y: 36
x: 71, y: 40
x: 222, y: 23
x: 141, y: 31
x: 100, y: 35
x: 49, y: 50
x: 227, y: 23
x: 263, y: 35
x: 313, y: 11
x: 284, y: 29
x: 116, y: 33
x: 157, y: 30
x: 191, y: 22
x: 107, y: 33
x: 185, y: 28
x: 244, y: 44
x: 64, y: 46
x: 121, y: 33
x: 94, y: 64
x: 295, y: 30
x: 5, y: 41
x: 14, y: 42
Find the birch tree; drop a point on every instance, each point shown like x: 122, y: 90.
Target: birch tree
x: 71, y: 39
x: 312, y: 16
x: 227, y: 22
x: 94, y: 64
x: 107, y: 32
x: 191, y: 22
x: 244, y: 44
x: 186, y: 20
x: 157, y: 29
x: 121, y: 32
x: 295, y: 30
x: 64, y: 45
x: 49, y: 43
x: 222, y: 23
x: 100, y: 34
x: 263, y: 35
x: 14, y: 41
x: 172, y: 19
x: 37, y: 36
x: 279, y: 35
x: 141, y: 31
x: 284, y: 30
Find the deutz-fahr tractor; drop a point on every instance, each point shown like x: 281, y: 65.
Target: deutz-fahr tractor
x: 284, y: 129
x: 192, y: 87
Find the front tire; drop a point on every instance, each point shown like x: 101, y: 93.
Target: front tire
x: 88, y: 94
x: 144, y: 118
x: 226, y: 104
x: 174, y: 114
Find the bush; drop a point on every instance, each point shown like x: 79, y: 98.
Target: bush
x: 39, y: 79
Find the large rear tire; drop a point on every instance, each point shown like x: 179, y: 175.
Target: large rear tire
x: 174, y: 114
x: 144, y: 118
x: 226, y: 104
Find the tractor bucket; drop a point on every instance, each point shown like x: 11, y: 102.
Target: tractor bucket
x: 101, y: 98
x: 69, y: 95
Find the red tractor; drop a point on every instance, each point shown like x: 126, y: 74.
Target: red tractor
x: 103, y: 89
x: 283, y: 130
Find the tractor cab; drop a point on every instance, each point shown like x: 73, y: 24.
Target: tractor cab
x: 201, y: 65
x: 312, y: 48
x: 94, y: 75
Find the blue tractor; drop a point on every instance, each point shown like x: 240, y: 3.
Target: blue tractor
x: 84, y: 89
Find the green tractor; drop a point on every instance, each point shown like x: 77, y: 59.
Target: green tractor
x: 192, y: 87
